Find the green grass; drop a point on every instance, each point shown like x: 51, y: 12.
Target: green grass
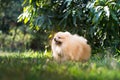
x: 31, y: 65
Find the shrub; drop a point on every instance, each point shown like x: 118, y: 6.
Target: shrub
x: 105, y: 19
x: 98, y: 21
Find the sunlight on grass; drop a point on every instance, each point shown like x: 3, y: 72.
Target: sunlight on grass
x: 31, y: 65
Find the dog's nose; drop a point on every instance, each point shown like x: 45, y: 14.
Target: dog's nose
x: 57, y: 41
x: 54, y: 39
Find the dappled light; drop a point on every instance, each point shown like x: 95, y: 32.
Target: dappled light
x: 35, y: 65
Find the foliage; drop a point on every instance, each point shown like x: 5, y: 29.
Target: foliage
x: 54, y: 14
x: 16, y: 40
x: 9, y: 12
x: 39, y: 40
x: 14, y: 36
x: 98, y: 21
x: 11, y: 32
x: 50, y: 16
x: 32, y: 65
x: 105, y: 18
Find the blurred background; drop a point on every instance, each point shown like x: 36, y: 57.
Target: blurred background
x: 30, y: 24
x: 14, y: 35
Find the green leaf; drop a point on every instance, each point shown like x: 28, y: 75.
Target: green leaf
x: 90, y: 5
x: 20, y: 18
x: 49, y: 20
x: 37, y: 28
x: 74, y: 20
x: 25, y: 1
x: 68, y: 2
x: 26, y: 20
x: 40, y: 20
x: 97, y: 17
x: 64, y: 20
x: 98, y: 8
x: 106, y: 9
x: 79, y: 13
x: 30, y: 1
x: 74, y: 17
x: 114, y: 16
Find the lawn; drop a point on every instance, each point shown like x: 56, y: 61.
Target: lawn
x: 32, y: 65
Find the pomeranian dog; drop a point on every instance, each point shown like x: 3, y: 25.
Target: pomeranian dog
x: 66, y: 46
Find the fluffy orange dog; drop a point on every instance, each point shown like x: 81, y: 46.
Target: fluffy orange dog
x: 66, y: 46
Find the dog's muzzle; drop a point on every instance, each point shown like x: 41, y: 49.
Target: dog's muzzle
x: 57, y: 42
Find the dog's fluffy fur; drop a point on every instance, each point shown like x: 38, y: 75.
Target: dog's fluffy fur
x: 66, y: 46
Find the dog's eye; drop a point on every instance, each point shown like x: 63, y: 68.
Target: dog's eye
x: 59, y: 37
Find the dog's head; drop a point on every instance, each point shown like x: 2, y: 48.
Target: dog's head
x: 61, y: 37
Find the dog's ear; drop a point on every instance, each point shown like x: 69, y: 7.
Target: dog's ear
x: 67, y: 32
